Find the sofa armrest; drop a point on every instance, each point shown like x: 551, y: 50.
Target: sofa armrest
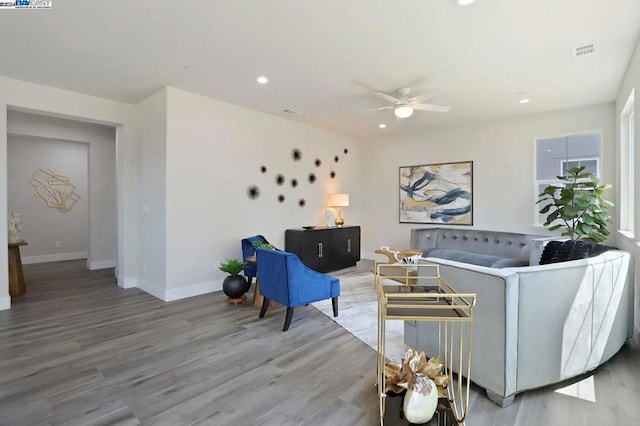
x: 573, y: 316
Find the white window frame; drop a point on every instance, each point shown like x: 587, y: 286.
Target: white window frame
x: 537, y: 223
x: 627, y: 166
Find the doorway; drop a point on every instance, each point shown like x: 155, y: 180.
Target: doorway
x: 85, y: 155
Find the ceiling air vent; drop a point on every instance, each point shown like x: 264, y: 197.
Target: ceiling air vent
x: 290, y: 111
x: 583, y: 52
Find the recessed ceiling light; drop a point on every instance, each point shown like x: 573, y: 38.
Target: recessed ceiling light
x: 382, y: 126
x: 523, y: 98
x: 464, y: 2
x: 262, y: 80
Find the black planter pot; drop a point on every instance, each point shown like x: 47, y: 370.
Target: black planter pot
x: 234, y: 287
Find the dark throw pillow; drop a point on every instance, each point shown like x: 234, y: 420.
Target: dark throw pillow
x: 561, y: 251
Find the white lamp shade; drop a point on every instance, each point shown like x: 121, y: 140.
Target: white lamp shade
x: 403, y: 111
x: 339, y: 200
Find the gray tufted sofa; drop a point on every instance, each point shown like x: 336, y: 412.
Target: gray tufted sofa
x: 493, y: 249
x: 533, y: 325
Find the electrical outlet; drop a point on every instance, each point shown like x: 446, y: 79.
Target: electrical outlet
x: 58, y: 244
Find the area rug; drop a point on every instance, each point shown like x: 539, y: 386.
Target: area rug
x: 358, y: 313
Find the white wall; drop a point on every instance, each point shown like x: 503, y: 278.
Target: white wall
x: 631, y: 243
x: 29, y: 97
x: 43, y: 226
x: 152, y: 136
x: 502, y: 152
x: 214, y: 153
x: 99, y: 198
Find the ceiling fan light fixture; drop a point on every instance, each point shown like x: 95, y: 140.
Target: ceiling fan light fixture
x: 464, y: 2
x: 403, y: 111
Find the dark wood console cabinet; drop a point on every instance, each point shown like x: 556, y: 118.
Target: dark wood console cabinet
x: 325, y: 249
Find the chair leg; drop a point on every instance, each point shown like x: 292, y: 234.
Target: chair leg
x: 263, y: 309
x: 334, y: 302
x: 287, y: 320
x: 249, y: 279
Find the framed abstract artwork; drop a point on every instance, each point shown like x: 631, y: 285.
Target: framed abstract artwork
x: 437, y: 193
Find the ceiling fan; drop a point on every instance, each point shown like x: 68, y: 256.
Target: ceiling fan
x: 403, y: 106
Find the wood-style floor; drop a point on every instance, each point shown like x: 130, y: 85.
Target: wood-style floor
x: 76, y: 349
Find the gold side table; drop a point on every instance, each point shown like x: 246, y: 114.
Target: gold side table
x: 425, y: 296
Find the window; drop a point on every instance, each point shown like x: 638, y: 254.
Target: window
x: 627, y: 176
x: 555, y: 155
x: 589, y: 164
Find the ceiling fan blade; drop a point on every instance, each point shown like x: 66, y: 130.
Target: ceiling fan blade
x: 376, y: 109
x: 388, y: 97
x: 428, y: 95
x: 430, y: 107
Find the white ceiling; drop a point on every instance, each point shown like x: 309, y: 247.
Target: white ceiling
x: 324, y: 58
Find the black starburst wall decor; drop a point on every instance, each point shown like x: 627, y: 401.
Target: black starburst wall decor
x: 253, y: 192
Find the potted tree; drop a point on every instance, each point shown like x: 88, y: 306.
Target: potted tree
x: 235, y: 285
x: 577, y: 207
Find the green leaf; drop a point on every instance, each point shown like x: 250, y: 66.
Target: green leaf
x: 571, y: 212
x: 545, y: 209
x: 582, y: 203
x: 587, y: 219
x: 555, y: 227
x: 585, y: 229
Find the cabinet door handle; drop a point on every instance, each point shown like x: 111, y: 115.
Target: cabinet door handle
x: 348, y: 245
x: 320, y: 250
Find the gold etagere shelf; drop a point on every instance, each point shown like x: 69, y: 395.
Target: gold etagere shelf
x: 417, y: 292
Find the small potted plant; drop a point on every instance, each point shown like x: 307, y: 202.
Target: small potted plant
x: 263, y: 245
x: 235, y: 285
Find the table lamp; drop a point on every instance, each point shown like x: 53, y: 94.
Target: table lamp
x: 339, y: 200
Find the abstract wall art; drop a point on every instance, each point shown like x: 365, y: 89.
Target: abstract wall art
x: 437, y: 193
x: 56, y: 190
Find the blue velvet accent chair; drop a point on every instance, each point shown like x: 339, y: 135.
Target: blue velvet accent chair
x: 250, y: 269
x: 285, y: 279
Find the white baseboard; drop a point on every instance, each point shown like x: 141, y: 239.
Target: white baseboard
x: 151, y: 288
x: 5, y: 303
x: 54, y: 257
x: 171, y: 294
x: 127, y: 282
x: 192, y: 290
x: 92, y: 265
